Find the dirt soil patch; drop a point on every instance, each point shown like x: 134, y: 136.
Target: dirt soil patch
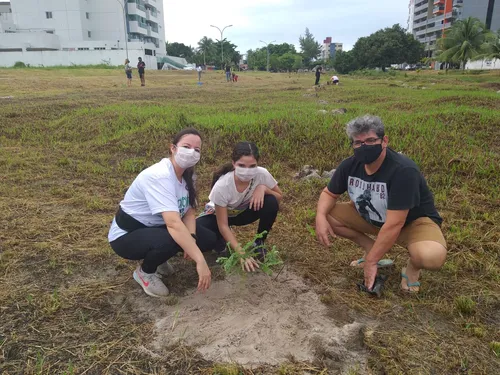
x: 491, y: 85
x: 255, y: 320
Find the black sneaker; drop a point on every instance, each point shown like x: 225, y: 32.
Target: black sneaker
x: 221, y: 248
x: 260, y: 249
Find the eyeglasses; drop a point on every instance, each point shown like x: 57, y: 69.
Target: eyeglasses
x: 367, y: 141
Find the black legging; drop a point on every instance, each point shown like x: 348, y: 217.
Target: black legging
x: 266, y: 216
x: 155, y: 245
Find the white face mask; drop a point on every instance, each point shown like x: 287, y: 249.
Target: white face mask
x: 245, y: 174
x: 186, y: 157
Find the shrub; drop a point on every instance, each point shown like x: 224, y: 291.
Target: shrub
x: 232, y: 264
x: 465, y: 305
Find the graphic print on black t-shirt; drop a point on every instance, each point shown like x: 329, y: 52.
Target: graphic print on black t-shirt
x: 370, y: 199
x: 396, y: 185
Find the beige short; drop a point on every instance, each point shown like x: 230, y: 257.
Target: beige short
x: 421, y: 229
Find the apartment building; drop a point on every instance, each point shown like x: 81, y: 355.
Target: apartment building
x: 329, y: 48
x: 108, y: 26
x: 428, y: 19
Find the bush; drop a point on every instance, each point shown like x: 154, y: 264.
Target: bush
x: 373, y: 73
x: 475, y: 72
x: 465, y: 305
x: 495, y: 346
x: 19, y: 64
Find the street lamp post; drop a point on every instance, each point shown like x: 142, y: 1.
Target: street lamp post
x: 267, y: 46
x: 124, y: 24
x: 221, y: 40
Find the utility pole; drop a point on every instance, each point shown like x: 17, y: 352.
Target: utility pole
x: 221, y: 41
x: 267, y: 46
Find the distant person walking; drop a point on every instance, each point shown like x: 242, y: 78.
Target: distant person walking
x: 199, y: 70
x: 228, y: 73
x: 318, y: 75
x: 141, y: 66
x: 128, y: 72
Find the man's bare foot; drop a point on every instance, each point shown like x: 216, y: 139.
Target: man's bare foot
x: 409, y: 280
x: 357, y: 263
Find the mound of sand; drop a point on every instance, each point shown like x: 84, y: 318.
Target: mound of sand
x: 256, y: 319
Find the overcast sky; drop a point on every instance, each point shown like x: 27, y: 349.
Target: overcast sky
x: 281, y: 20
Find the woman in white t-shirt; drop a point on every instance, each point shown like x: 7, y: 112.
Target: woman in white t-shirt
x: 242, y: 193
x: 156, y: 218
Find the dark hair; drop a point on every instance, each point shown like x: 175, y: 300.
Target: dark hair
x: 241, y: 149
x: 189, y: 172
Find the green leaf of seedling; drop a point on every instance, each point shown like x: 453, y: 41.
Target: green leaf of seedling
x: 232, y: 264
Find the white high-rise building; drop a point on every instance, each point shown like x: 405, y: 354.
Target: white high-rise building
x: 86, y: 25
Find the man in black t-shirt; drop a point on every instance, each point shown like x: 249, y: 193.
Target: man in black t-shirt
x: 141, y: 65
x: 390, y: 199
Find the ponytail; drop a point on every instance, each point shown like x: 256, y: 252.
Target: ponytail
x: 226, y: 168
x: 188, y: 176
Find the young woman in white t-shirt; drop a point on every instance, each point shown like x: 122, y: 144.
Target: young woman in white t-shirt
x: 242, y: 193
x: 156, y: 218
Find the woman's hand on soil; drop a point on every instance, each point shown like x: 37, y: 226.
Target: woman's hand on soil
x: 249, y: 265
x: 257, y: 201
x: 204, y: 276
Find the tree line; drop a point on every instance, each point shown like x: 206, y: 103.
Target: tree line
x: 208, y: 52
x: 467, y: 39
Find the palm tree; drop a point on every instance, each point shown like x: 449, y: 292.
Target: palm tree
x: 206, y: 46
x: 492, y: 48
x: 465, y: 41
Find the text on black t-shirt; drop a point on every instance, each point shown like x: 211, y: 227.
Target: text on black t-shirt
x: 397, y: 185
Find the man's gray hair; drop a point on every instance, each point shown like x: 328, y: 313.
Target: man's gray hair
x: 365, y: 124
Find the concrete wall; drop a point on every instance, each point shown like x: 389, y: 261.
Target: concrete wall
x: 6, y: 22
x: 476, y: 8
x: 28, y: 40
x: 68, y: 58
x: 479, y: 9
x: 106, y: 20
x: 161, y: 26
x: 483, y: 65
x: 68, y: 17
x: 69, y: 20
x: 4, y: 7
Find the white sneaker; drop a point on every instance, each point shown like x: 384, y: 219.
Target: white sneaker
x: 151, y: 283
x: 165, y: 269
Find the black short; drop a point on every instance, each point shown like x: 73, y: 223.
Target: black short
x: 141, y: 74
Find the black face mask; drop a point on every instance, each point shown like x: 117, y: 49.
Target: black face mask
x: 367, y: 154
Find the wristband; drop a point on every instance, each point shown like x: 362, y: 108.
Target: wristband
x: 194, y: 236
